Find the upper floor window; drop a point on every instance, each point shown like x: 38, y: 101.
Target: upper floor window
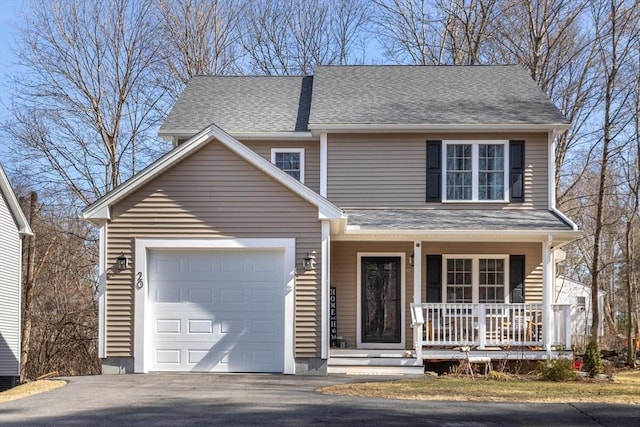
x: 581, y: 303
x: 475, y: 171
x: 290, y: 160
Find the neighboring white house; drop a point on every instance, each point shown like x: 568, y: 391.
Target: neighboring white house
x: 578, y: 295
x: 13, y: 225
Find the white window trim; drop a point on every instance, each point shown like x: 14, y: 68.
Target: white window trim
x: 475, y: 274
x: 403, y: 267
x: 300, y: 151
x: 475, y: 144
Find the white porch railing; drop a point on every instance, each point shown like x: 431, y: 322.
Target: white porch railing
x: 484, y: 325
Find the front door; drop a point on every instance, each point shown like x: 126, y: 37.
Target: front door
x: 381, y: 300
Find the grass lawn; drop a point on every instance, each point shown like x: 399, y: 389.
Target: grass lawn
x: 500, y: 388
x: 29, y: 389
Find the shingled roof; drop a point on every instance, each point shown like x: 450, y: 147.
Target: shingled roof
x: 361, y: 96
x: 503, y: 94
x: 241, y: 104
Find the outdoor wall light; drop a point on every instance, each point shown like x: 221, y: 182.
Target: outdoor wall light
x: 411, y: 259
x: 122, y: 262
x: 306, y: 262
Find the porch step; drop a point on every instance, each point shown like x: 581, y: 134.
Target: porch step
x: 375, y: 370
x: 367, y: 353
x: 375, y: 361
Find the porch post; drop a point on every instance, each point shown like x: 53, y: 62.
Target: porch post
x: 417, y: 297
x: 547, y: 294
x: 417, y: 272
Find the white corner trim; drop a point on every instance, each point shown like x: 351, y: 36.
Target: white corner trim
x: 551, y: 169
x: 299, y: 151
x: 324, y: 152
x: 141, y: 316
x: 403, y: 274
x: 102, y: 292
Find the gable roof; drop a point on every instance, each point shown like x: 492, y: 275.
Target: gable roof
x: 99, y: 211
x: 12, y: 203
x: 366, y: 97
x: 241, y: 104
x: 502, y: 95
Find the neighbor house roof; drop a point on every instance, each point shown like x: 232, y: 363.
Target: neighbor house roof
x: 385, y: 97
x: 12, y: 203
x: 429, y: 95
x: 241, y: 104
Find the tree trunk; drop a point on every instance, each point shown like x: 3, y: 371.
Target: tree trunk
x: 27, y: 307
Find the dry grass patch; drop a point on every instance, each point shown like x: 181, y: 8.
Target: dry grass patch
x: 29, y: 389
x: 625, y: 389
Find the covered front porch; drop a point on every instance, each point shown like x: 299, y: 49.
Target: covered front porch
x: 403, y: 298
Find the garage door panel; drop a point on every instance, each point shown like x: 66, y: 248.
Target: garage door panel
x: 217, y: 311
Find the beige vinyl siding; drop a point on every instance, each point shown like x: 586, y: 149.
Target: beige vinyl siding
x: 10, y: 258
x: 344, y: 270
x: 344, y: 266
x: 311, y: 157
x: 213, y: 193
x: 390, y: 170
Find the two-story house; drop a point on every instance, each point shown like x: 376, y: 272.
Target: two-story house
x: 362, y: 216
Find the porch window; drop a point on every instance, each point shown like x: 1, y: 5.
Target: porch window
x: 459, y: 280
x: 492, y: 283
x: 475, y: 171
x: 475, y: 279
x: 290, y: 160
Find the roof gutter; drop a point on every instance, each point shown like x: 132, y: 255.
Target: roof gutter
x: 316, y: 129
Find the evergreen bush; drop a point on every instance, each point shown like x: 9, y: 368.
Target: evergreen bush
x: 592, y: 360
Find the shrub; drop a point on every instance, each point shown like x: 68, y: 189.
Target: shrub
x: 557, y: 370
x: 592, y: 360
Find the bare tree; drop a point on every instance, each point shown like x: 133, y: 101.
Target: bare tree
x: 408, y: 31
x: 290, y: 38
x: 85, y: 100
x: 59, y: 331
x: 200, y: 37
x: 616, y: 23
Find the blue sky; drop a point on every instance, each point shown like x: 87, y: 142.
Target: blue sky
x: 9, y: 17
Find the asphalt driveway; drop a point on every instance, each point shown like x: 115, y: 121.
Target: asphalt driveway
x: 209, y: 399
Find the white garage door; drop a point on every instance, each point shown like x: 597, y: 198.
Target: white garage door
x: 216, y: 311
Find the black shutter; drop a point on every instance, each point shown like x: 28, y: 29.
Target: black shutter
x: 516, y: 278
x: 516, y: 175
x: 434, y: 171
x: 434, y: 278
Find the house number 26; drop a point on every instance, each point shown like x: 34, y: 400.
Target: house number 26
x: 139, y: 282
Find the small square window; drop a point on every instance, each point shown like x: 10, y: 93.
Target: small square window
x: 290, y: 160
